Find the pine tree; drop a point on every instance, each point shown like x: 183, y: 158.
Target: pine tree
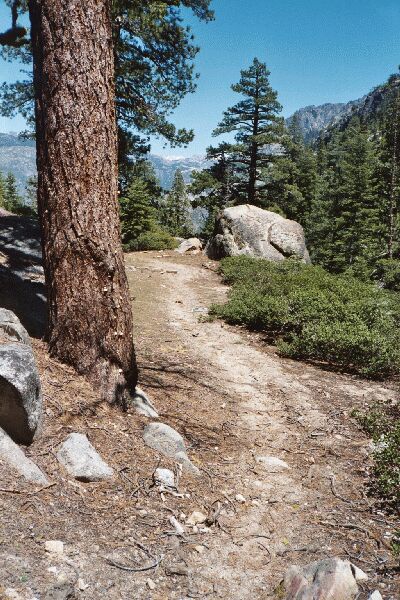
x: 256, y: 125
x: 390, y: 172
x: 2, y: 190
x: 177, y: 210
x: 214, y: 188
x: 138, y: 216
x: 12, y: 200
x: 345, y: 230
x: 31, y: 193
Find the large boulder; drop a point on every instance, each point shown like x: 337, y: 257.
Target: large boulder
x: 12, y: 328
x: 250, y: 230
x: 20, y: 395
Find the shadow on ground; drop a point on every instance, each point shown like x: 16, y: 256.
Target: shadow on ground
x: 21, y: 276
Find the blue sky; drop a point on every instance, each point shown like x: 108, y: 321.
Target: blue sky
x: 317, y: 50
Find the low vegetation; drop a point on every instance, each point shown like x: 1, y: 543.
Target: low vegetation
x: 314, y: 315
x: 382, y: 423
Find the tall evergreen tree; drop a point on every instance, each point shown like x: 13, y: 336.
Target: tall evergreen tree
x: 12, y: 200
x: 345, y: 228
x: 291, y: 179
x: 138, y: 216
x: 177, y: 209
x: 390, y: 172
x: 154, y: 57
x: 2, y: 190
x: 256, y: 125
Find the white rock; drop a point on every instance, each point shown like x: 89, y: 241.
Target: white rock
x: 247, y: 229
x: 164, y: 477
x: 190, y: 245
x: 375, y: 596
x: 151, y: 584
x: 168, y: 442
x: 272, y: 463
x: 143, y: 405
x: 180, y: 530
x: 196, y: 518
x: 81, y: 460
x: 240, y: 498
x: 199, y: 549
x: 13, y: 456
x: 82, y: 586
x: 54, y: 547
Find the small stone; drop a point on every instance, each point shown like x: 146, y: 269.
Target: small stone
x: 54, y: 547
x: 82, y: 461
x: 143, y: 405
x: 272, y: 463
x: 151, y: 584
x: 195, y: 529
x: 82, y: 586
x: 142, y: 512
x: 14, y: 457
x: 199, y: 549
x: 180, y: 530
x: 375, y: 596
x: 196, y: 518
x: 164, y: 477
x: 170, y: 443
x: 240, y: 498
x: 255, y: 502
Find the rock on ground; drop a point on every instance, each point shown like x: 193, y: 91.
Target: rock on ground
x: 330, y: 579
x: 13, y: 456
x: 272, y: 464
x: 164, y: 477
x: 250, y: 230
x: 21, y: 398
x: 190, y: 245
x: 168, y: 442
x: 81, y: 460
x: 12, y: 328
x: 143, y: 405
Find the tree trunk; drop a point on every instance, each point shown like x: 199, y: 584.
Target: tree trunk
x: 251, y: 196
x: 393, y: 181
x: 89, y: 311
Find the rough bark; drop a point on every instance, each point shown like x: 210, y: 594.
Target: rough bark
x: 89, y: 311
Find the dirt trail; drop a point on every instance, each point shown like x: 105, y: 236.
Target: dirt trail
x: 238, y: 404
x: 312, y: 508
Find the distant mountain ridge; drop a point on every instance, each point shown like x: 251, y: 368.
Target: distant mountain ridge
x: 17, y: 155
x: 315, y: 119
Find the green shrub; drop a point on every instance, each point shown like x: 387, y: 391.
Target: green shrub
x: 155, y: 239
x: 387, y: 272
x: 314, y: 315
x: 382, y: 423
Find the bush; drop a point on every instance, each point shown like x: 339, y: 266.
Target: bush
x: 155, y: 239
x: 387, y: 272
x: 314, y: 315
x: 382, y: 423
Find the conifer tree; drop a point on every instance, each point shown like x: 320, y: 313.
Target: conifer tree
x: 390, y: 172
x: 345, y: 230
x: 12, y: 200
x: 2, y: 190
x: 256, y: 125
x: 138, y: 216
x: 178, y: 208
x: 291, y: 179
x: 214, y: 188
